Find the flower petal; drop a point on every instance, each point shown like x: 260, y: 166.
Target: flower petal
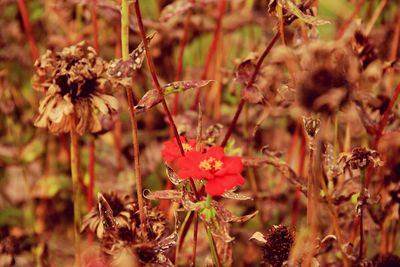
x: 231, y: 165
x: 214, y: 188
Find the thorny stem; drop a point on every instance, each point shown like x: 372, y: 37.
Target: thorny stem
x: 132, y: 116
x: 361, y: 207
x: 158, y: 86
x: 182, y: 47
x: 75, y: 192
x: 249, y: 84
x: 28, y: 29
x: 211, y: 49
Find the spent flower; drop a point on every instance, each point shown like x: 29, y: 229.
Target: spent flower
x: 77, y: 90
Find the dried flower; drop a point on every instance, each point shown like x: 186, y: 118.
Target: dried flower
x: 122, y: 208
x: 329, y: 71
x: 76, y: 86
x: 221, y: 172
x: 360, y: 158
x: 171, y: 152
x: 276, y: 244
x: 311, y: 126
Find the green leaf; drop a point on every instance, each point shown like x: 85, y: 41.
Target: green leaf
x: 292, y: 7
x: 48, y: 187
x: 180, y: 86
x: 32, y: 151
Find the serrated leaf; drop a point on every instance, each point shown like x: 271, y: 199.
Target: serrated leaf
x: 252, y: 95
x: 228, y: 217
x: 292, y: 7
x: 232, y: 195
x: 119, y: 68
x: 245, y: 70
x: 180, y: 86
x: 149, y: 100
x: 172, y: 176
x: 163, y: 194
x: 174, y: 9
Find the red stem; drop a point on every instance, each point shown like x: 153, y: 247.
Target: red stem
x: 385, y: 117
x: 28, y: 29
x: 94, y: 26
x: 182, y: 47
x: 249, y: 84
x: 347, y: 23
x: 91, y: 182
x: 381, y: 127
x: 158, y: 86
x: 92, y: 147
x: 211, y: 49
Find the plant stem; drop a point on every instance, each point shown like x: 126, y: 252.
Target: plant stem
x: 94, y: 26
x: 182, y: 47
x: 132, y: 117
x: 91, y: 180
x: 28, y: 29
x: 362, y: 191
x: 249, y: 84
x: 75, y: 193
x: 158, y: 86
x: 213, y: 249
x: 347, y: 23
x: 211, y: 49
x: 195, y: 231
x: 92, y: 145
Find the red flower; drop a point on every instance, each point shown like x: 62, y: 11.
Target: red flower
x: 221, y: 172
x: 171, y: 152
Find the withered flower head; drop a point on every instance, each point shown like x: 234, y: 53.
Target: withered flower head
x: 122, y: 208
x: 279, y: 242
x: 360, y: 158
x: 328, y: 73
x: 311, y: 126
x: 76, y: 86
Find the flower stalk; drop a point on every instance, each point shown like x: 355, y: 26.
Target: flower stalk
x: 211, y: 241
x: 361, y: 207
x: 249, y: 84
x: 132, y: 115
x: 158, y: 86
x: 75, y: 191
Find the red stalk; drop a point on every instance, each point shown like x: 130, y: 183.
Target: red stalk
x: 28, y: 29
x: 249, y: 84
x: 211, y: 50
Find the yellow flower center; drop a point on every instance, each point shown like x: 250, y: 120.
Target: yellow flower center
x: 187, y: 147
x: 211, y: 164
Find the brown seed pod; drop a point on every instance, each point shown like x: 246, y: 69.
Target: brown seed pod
x: 279, y: 242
